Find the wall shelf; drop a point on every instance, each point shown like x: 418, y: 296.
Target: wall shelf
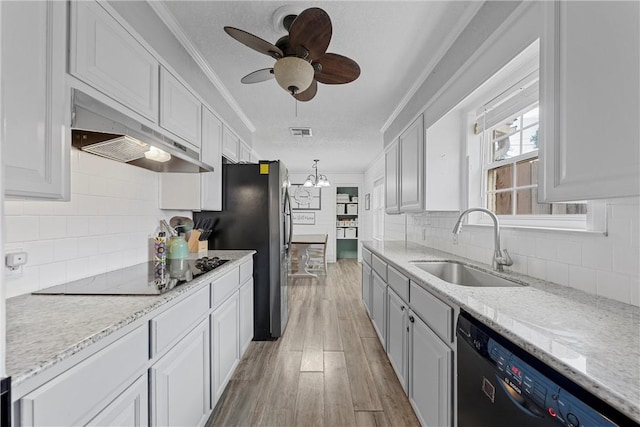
x: 347, y: 222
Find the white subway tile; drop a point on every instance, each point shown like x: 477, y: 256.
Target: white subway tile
x: 97, y: 264
x: 98, y: 224
x: 53, y: 227
x: 39, y: 252
x: 115, y: 260
x: 614, y: 285
x: 28, y: 282
x: 87, y: 204
x: 38, y: 208
x: 52, y: 274
x: 626, y: 260
x: 22, y: 228
x: 98, y: 185
x: 597, y: 253
x: 537, y: 268
x: 115, y: 224
x: 519, y: 264
x: 90, y: 245
x: 79, y: 183
x: 546, y: 248
x: 65, y: 249
x: 78, y: 226
x: 582, y: 278
x: 13, y: 207
x: 527, y: 246
x: 569, y: 252
x: 78, y: 268
x: 558, y: 273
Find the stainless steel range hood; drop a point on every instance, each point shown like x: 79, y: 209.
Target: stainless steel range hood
x: 99, y: 129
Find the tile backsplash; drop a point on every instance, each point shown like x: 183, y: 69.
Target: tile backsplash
x: 604, y: 265
x: 106, y: 225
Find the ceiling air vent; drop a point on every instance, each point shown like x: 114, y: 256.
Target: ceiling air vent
x: 303, y: 132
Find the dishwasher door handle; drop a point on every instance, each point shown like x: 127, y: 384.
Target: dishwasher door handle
x: 519, y: 401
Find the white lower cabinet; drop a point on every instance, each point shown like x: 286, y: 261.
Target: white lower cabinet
x: 246, y: 315
x: 378, y: 307
x: 131, y: 408
x: 398, y: 337
x: 430, y: 375
x: 224, y: 343
x: 366, y: 286
x: 180, y: 382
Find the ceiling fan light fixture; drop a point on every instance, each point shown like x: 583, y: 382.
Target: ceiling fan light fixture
x: 293, y: 74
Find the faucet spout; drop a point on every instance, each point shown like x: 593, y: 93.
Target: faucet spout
x: 499, y: 259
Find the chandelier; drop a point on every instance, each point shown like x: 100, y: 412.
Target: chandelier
x: 315, y: 180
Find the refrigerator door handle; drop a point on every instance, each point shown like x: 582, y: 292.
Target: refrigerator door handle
x: 287, y: 212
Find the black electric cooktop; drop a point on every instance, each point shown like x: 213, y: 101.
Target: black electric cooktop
x: 140, y: 279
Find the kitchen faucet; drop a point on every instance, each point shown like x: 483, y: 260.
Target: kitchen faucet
x: 499, y: 259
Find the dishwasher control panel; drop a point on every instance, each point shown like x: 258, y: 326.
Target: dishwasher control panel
x: 538, y: 390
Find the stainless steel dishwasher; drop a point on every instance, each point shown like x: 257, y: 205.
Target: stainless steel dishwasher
x: 499, y: 384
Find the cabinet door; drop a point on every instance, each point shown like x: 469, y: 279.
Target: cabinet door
x: 211, y: 154
x: 245, y: 153
x: 246, y: 315
x: 430, y: 375
x: 589, y: 91
x: 180, y: 382
x: 442, y: 170
x: 230, y: 145
x: 378, y: 307
x: 180, y: 110
x: 366, y: 287
x: 35, y: 110
x: 105, y: 56
x: 224, y: 343
x: 412, y: 167
x: 131, y: 408
x: 391, y: 179
x: 398, y: 337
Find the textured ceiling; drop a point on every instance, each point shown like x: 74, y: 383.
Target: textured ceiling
x: 394, y: 42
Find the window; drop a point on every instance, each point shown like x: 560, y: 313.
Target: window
x: 377, y: 206
x: 511, y: 172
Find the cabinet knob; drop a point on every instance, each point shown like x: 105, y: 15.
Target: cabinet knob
x: 407, y: 329
x: 412, y: 319
x: 402, y: 308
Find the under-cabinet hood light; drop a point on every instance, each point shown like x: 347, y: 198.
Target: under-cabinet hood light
x: 157, y: 155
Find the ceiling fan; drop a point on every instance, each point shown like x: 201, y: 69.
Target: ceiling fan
x: 301, y: 58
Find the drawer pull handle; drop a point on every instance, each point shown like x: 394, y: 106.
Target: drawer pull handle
x: 412, y: 319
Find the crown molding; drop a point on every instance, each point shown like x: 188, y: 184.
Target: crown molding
x: 444, y: 47
x: 167, y: 17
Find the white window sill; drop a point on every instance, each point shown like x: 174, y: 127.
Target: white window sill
x: 575, y: 231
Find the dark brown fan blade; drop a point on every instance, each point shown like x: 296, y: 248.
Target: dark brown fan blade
x: 311, y: 30
x: 308, y: 94
x: 254, y: 42
x: 336, y: 69
x: 258, y: 76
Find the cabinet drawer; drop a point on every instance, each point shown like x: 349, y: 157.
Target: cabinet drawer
x: 246, y: 271
x: 398, y: 282
x: 169, y: 326
x: 366, y: 255
x: 435, y: 313
x: 77, y: 395
x: 224, y: 286
x: 379, y: 266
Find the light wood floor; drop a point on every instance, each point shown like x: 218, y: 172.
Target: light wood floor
x: 329, y: 369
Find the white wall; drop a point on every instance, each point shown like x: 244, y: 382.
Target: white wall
x: 106, y: 225
x: 326, y: 216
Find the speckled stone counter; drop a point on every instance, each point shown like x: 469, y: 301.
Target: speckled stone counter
x: 592, y: 340
x: 43, y: 330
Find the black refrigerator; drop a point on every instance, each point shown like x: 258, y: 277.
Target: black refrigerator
x: 256, y: 214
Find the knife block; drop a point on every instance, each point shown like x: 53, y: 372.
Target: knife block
x: 195, y: 245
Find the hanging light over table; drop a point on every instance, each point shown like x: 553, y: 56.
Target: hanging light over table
x: 315, y: 179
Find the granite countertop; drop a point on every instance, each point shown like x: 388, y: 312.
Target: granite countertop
x: 592, y: 340
x: 43, y: 330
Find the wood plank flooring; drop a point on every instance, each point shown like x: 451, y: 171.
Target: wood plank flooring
x: 328, y: 369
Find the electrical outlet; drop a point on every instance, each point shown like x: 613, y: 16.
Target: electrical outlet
x: 14, y: 262
x: 13, y: 273
x: 455, y: 238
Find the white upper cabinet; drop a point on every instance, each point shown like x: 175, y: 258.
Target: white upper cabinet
x: 411, y: 145
x: 442, y: 182
x: 108, y: 58
x: 589, y: 85
x: 230, y: 145
x: 211, y: 182
x: 35, y: 109
x: 245, y: 153
x: 391, y: 179
x: 180, y: 110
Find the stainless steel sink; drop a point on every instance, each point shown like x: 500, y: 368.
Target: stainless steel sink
x: 464, y: 275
